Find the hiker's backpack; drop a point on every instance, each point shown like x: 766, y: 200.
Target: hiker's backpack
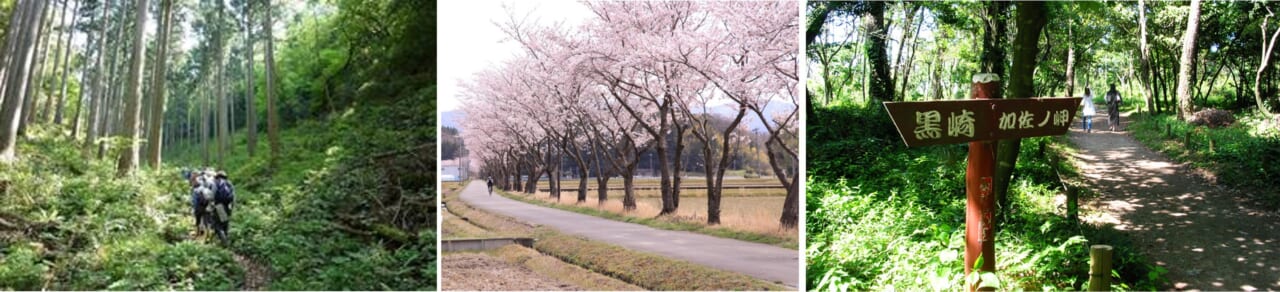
x: 206, y: 194
x: 223, y: 191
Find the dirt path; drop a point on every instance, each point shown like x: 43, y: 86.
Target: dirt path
x: 758, y: 260
x: 1207, y: 236
x: 256, y: 276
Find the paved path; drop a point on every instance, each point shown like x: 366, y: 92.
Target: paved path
x: 767, y: 262
x: 1207, y: 236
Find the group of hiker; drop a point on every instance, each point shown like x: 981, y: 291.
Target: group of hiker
x: 212, y: 198
x: 1088, y: 109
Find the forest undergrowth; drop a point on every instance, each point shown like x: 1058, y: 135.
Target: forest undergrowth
x: 882, y: 216
x: 69, y: 224
x: 350, y: 206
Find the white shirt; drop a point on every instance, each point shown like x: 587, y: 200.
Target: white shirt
x: 1087, y: 106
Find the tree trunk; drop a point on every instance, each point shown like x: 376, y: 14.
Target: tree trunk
x: 715, y: 167
x: 897, y: 70
x: 531, y: 182
x: 33, y: 84
x: 629, y: 186
x: 602, y: 179
x: 66, y: 61
x: 1264, y: 64
x: 84, y: 76
x: 220, y: 93
x: 133, y: 97
x: 11, y: 33
x: 582, y: 171
x: 1030, y: 21
x: 880, y: 87
x: 791, y: 204
x: 99, y: 93
x: 911, y: 58
x: 273, y: 127
x: 993, y: 54
x: 1071, y: 59
x: 677, y: 162
x: 516, y: 175
x: 58, y: 59
x: 1145, y: 54
x: 158, y: 90
x: 1185, y: 64
x: 18, y: 70
x: 251, y: 113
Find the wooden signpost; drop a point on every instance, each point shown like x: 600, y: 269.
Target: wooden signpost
x: 980, y: 121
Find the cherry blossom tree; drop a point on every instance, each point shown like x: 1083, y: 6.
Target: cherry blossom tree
x: 638, y: 77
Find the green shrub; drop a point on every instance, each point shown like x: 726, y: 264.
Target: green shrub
x: 21, y: 267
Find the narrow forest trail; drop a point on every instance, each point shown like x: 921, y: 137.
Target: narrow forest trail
x: 256, y: 276
x: 1208, y: 236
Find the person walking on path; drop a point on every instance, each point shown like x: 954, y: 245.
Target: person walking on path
x: 490, y: 186
x: 1087, y: 109
x: 1113, y: 107
x: 199, y: 190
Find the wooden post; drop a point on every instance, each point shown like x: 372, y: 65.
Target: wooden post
x: 1186, y: 140
x: 980, y: 121
x: 1100, y: 267
x: 1040, y: 152
x: 1168, y: 130
x: 979, y: 232
x: 1073, y: 203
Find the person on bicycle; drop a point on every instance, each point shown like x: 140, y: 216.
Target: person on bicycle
x: 491, y: 186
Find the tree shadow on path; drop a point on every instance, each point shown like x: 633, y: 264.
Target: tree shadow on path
x: 1209, y: 237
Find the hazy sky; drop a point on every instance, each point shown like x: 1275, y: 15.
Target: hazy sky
x: 470, y: 41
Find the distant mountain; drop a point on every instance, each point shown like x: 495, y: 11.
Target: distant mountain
x: 772, y: 109
x: 452, y: 118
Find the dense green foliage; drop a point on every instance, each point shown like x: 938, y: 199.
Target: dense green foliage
x: 369, y: 51
x: 1244, y: 154
x: 883, y: 216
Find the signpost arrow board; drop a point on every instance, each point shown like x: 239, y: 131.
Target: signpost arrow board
x: 980, y: 121
x: 958, y: 121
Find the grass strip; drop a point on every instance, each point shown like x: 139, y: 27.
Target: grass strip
x: 664, y: 223
x: 554, y: 268
x: 646, y: 270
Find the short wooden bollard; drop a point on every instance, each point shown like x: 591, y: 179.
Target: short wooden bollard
x: 1100, y: 267
x: 1073, y: 203
x: 1186, y: 140
x: 1168, y: 130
